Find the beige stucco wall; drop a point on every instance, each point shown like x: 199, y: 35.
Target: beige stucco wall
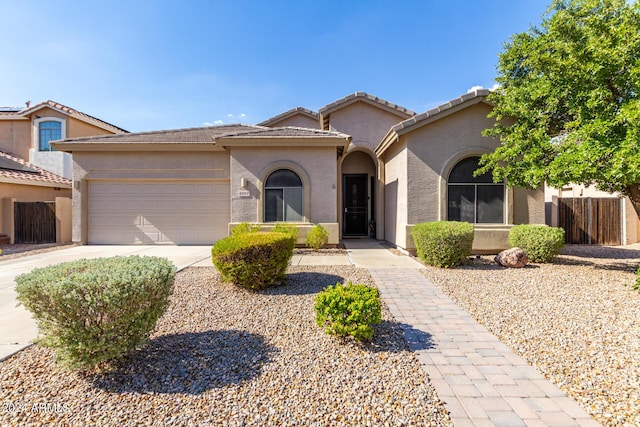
x: 298, y: 120
x: 140, y: 166
x: 395, y: 194
x: 15, y: 137
x: 430, y: 154
x: 366, y: 124
x: 317, y: 167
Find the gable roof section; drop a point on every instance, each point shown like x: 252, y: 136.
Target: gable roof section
x: 284, y: 136
x: 430, y: 116
x: 22, y: 115
x: 186, y: 137
x: 326, y: 111
x: 14, y: 170
x: 287, y: 114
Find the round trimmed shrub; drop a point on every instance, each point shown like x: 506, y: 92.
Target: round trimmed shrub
x: 317, y: 237
x: 95, y: 311
x: 443, y: 243
x: 540, y: 242
x: 349, y: 309
x: 253, y: 260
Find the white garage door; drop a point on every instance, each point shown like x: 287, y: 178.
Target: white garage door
x: 158, y: 212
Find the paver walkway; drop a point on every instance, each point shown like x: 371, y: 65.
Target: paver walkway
x: 480, y: 380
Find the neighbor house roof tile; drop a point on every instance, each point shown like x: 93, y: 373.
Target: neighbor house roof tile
x: 285, y: 132
x: 26, y: 172
x: 354, y: 97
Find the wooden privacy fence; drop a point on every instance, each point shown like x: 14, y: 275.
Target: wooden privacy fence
x: 588, y: 220
x: 35, y: 222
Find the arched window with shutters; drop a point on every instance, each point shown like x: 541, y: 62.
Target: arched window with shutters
x: 474, y: 199
x: 283, y: 197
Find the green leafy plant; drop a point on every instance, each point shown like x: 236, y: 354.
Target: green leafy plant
x: 348, y: 309
x: 253, y: 260
x: 92, y: 312
x: 317, y: 237
x: 540, y: 242
x: 245, y: 227
x: 637, y: 285
x: 443, y: 243
x: 287, y: 228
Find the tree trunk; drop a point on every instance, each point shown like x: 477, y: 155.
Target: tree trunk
x: 634, y: 195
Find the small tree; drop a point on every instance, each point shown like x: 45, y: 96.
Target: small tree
x: 568, y: 105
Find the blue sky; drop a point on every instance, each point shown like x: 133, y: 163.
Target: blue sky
x: 148, y: 65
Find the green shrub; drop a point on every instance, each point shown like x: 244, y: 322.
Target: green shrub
x: 443, y: 243
x: 245, y: 227
x: 540, y: 242
x: 637, y: 285
x: 96, y: 311
x: 317, y: 237
x: 348, y: 310
x: 253, y: 260
x: 286, y: 228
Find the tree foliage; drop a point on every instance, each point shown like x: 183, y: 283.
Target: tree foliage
x: 568, y: 106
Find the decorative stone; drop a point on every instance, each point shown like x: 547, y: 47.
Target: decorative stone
x: 512, y: 258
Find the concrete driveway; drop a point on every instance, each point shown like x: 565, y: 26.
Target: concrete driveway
x: 18, y: 329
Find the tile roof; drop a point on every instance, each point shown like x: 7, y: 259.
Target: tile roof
x: 14, y: 168
x: 285, y: 132
x: 294, y: 111
x: 22, y: 113
x: 419, y: 120
x: 478, y: 94
x: 187, y: 135
x: 363, y: 96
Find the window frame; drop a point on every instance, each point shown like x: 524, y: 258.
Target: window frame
x: 475, y: 186
x: 37, y: 143
x: 283, y: 191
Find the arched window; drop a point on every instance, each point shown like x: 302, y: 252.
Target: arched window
x: 283, y: 196
x: 48, y: 130
x: 475, y: 199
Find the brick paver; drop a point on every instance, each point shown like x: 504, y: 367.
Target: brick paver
x: 479, y: 379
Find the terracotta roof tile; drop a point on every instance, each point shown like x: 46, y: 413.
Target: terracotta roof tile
x: 31, y: 174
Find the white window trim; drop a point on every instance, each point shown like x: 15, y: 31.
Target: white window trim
x: 36, y: 130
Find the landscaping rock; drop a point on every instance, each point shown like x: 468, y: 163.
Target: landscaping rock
x: 512, y: 258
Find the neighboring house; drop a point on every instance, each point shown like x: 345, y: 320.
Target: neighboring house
x: 30, y: 169
x: 591, y: 216
x: 360, y: 166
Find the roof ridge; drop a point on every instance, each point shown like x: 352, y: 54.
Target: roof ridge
x: 370, y: 97
x: 287, y: 113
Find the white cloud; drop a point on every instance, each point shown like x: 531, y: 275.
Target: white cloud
x: 243, y: 115
x: 207, y: 124
x: 474, y: 88
x: 496, y: 86
x: 218, y: 122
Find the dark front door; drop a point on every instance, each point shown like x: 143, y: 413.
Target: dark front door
x: 355, y: 205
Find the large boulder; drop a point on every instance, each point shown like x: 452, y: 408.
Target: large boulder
x: 513, y: 258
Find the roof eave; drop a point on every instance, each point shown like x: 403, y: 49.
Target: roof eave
x: 283, y: 141
x: 33, y: 182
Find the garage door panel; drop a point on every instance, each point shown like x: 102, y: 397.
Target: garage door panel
x: 153, y: 212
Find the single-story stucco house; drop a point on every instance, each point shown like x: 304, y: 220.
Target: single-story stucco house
x: 360, y: 166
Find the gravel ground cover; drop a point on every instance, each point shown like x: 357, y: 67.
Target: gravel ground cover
x: 225, y: 356
x: 19, y: 250
x: 577, y: 320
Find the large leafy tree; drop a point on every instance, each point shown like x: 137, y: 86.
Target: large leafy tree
x: 568, y: 105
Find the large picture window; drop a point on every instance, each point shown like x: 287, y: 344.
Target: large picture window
x: 283, y: 197
x: 475, y: 199
x: 48, y: 131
